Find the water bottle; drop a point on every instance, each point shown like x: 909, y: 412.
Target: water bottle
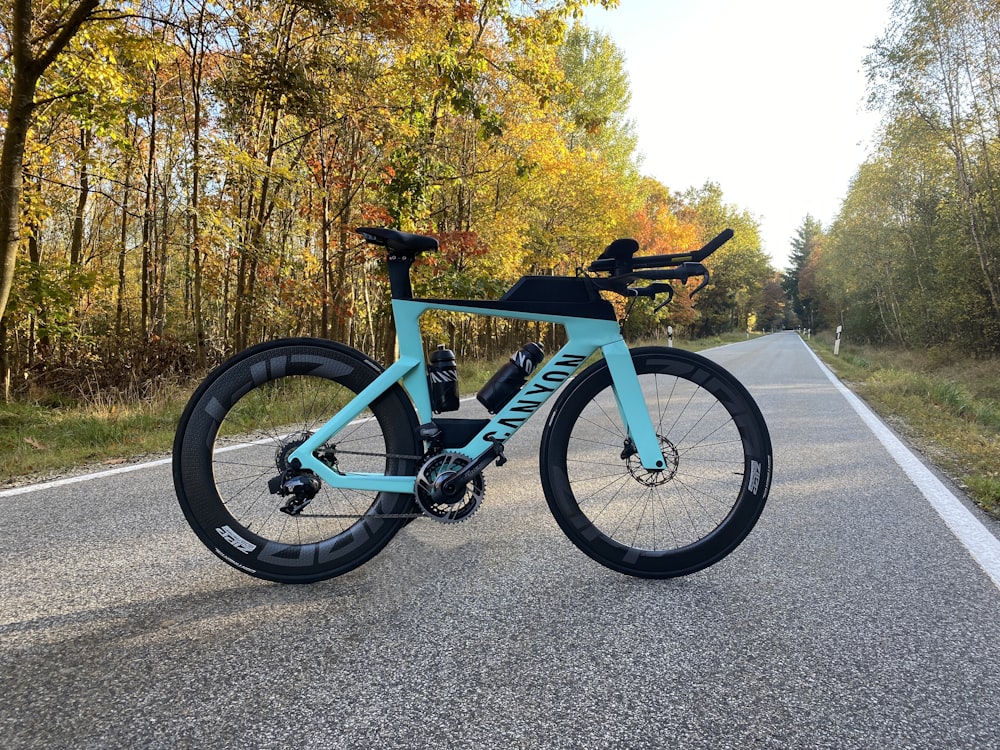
x: 442, y: 374
x: 508, y: 379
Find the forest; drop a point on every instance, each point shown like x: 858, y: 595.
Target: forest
x: 182, y: 178
x: 913, y: 258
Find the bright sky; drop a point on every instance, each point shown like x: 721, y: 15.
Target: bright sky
x: 765, y: 98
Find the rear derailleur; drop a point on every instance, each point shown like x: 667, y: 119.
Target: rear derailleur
x: 299, y: 485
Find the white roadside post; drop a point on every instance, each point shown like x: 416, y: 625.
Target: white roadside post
x: 670, y: 335
x: 836, y: 342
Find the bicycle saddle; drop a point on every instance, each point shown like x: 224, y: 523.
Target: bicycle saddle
x: 410, y: 245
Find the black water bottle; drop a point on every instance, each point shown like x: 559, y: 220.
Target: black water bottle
x: 508, y: 379
x: 442, y: 373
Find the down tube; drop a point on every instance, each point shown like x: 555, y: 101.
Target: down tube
x: 632, y: 404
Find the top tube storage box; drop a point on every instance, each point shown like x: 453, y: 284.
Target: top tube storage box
x: 551, y: 289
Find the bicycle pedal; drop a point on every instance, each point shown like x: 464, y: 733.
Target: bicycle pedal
x: 498, y: 451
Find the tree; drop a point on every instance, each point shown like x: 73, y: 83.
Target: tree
x: 36, y: 37
x: 939, y: 62
x: 807, y: 241
x: 596, y: 97
x: 739, y: 269
x: 772, y: 306
x: 897, y: 263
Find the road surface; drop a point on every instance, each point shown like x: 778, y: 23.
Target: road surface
x: 853, y: 616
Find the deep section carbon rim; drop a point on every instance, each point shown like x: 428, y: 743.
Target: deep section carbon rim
x: 667, y: 522
x: 233, y: 473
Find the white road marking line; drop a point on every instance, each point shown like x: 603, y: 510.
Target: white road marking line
x: 41, y: 487
x: 82, y: 478
x: 970, y: 531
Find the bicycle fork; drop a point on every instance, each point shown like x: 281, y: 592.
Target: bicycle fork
x: 640, y: 431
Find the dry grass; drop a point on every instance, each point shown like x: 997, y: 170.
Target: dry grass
x: 946, y: 404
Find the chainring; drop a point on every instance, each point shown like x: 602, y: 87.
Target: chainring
x: 433, y: 476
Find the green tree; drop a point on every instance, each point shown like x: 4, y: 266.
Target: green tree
x: 805, y: 244
x: 596, y: 97
x: 939, y: 62
x: 739, y: 269
x: 897, y: 265
x: 35, y: 36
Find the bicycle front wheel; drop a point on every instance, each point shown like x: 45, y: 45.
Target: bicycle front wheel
x: 231, y: 458
x: 670, y: 522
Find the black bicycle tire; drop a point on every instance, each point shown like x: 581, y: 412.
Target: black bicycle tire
x: 194, y: 454
x: 642, y: 560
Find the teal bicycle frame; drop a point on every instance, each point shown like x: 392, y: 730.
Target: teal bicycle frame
x: 585, y: 336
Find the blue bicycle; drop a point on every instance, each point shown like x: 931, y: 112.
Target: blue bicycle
x: 299, y: 459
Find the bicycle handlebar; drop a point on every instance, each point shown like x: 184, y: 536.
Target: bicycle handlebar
x: 681, y: 273
x: 623, y: 269
x: 656, y: 261
x: 621, y: 264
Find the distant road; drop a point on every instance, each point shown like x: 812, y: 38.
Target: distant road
x: 862, y: 612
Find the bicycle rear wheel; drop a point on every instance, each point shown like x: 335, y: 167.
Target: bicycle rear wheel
x: 657, y: 524
x: 232, y: 451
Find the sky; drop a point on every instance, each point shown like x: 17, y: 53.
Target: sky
x: 765, y: 98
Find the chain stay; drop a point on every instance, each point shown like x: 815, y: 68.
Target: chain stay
x: 359, y: 516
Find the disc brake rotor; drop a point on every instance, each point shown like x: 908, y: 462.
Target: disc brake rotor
x: 658, y: 476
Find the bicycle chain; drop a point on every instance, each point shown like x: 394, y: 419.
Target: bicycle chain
x: 367, y: 515
x: 359, y: 515
x: 386, y: 455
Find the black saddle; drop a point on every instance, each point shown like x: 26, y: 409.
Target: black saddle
x: 402, y: 243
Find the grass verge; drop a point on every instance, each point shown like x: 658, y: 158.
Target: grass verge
x: 947, y: 405
x: 38, y: 441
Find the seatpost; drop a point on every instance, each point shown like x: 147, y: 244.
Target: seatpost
x: 399, y: 275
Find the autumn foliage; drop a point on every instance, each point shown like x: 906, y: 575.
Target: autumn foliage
x: 193, y: 173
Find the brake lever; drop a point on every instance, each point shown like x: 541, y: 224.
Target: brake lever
x: 670, y: 295
x: 651, y: 290
x: 686, y: 270
x: 704, y: 281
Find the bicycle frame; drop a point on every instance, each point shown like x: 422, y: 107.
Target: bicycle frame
x: 585, y: 336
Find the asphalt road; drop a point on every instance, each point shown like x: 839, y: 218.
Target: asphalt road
x: 852, y: 617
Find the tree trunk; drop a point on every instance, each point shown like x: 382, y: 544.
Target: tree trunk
x: 195, y: 75
x: 79, y: 216
x: 11, y: 161
x: 27, y: 68
x: 147, y: 214
x: 122, y: 255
